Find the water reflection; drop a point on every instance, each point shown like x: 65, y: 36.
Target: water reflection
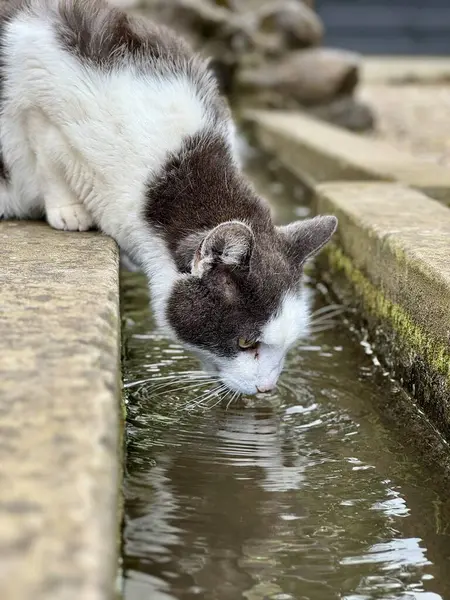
x: 307, y: 496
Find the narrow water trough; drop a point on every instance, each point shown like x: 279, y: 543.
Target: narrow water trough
x: 334, y: 487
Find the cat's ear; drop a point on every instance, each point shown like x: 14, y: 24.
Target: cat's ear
x: 229, y: 244
x: 307, y: 237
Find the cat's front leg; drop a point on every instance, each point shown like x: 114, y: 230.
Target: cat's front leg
x: 62, y: 207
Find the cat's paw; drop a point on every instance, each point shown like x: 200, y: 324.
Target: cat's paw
x: 73, y: 217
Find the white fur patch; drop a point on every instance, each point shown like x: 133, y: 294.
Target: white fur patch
x: 289, y: 324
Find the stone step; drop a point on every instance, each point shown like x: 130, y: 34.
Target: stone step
x: 391, y: 260
x: 406, y: 69
x: 318, y: 152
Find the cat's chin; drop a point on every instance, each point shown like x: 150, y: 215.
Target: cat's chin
x: 241, y: 387
x: 243, y: 390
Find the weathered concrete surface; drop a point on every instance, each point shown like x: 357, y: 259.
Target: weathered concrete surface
x: 319, y: 152
x: 393, y: 253
x: 59, y: 414
x: 413, y: 118
x: 406, y: 69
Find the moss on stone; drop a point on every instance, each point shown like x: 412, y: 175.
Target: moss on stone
x: 435, y: 353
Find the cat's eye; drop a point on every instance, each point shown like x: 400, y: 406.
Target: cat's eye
x: 245, y: 344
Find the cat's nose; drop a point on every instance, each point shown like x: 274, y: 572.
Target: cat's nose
x: 266, y: 388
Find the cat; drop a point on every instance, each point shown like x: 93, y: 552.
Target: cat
x: 110, y: 121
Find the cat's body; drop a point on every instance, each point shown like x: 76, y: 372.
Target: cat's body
x: 107, y: 120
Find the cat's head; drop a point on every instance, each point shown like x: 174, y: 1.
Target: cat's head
x: 243, y: 306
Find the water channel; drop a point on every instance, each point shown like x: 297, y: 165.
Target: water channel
x: 316, y: 492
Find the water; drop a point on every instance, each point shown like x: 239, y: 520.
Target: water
x: 319, y: 492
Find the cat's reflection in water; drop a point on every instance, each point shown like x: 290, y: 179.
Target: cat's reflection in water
x: 219, y: 507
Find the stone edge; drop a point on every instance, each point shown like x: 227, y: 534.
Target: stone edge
x: 318, y: 152
x: 401, y: 70
x: 102, y: 580
x: 408, y: 346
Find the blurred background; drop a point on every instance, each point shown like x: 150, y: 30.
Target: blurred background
x: 405, y: 27
x: 380, y: 68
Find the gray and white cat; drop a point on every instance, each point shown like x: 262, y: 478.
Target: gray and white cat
x: 110, y: 121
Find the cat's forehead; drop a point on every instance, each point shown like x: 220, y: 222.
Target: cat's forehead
x: 271, y: 275
x: 271, y: 278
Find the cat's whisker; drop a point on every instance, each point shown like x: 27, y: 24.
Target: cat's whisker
x: 227, y: 394
x: 325, y: 318
x: 131, y: 384
x: 167, y: 385
x: 331, y: 319
x: 234, y: 397
x: 174, y: 377
x: 205, y: 396
x: 320, y: 326
x: 221, y: 398
x: 214, y: 405
x: 322, y: 323
x: 230, y: 401
x: 328, y: 308
x: 136, y: 383
x: 178, y: 373
x: 158, y: 390
x: 327, y: 327
x: 168, y: 381
x: 186, y: 387
x: 199, y: 399
x: 217, y: 392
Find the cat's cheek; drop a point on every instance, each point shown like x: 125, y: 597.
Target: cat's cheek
x: 206, y: 359
x: 240, y: 373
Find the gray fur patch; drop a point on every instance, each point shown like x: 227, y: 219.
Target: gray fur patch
x: 199, y: 189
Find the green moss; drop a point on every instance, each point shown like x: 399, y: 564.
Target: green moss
x: 375, y: 302
x: 123, y: 407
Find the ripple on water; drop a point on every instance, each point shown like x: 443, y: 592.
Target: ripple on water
x: 307, y: 496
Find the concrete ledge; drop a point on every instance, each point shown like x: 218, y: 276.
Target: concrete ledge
x: 394, y: 265
x: 406, y: 69
x: 59, y: 414
x: 318, y: 152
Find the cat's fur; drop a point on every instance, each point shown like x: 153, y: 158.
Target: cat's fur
x: 108, y: 120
